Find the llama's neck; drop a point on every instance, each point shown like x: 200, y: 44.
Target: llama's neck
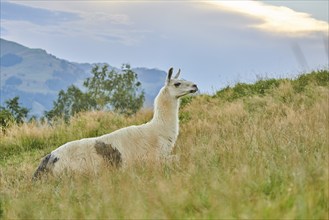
x: 166, y: 110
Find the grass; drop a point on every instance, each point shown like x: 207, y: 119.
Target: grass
x: 257, y: 154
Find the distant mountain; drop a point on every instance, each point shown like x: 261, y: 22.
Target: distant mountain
x: 37, y: 77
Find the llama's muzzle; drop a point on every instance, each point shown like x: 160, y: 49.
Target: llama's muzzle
x: 195, y: 88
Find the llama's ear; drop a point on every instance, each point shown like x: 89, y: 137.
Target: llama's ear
x: 177, y: 74
x: 169, y: 74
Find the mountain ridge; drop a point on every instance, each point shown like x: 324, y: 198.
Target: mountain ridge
x: 37, y: 76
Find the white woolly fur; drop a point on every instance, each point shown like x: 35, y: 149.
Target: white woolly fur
x: 151, y: 141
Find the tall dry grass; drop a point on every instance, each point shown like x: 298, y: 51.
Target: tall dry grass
x: 259, y: 156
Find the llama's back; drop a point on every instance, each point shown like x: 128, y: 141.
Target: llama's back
x: 77, y: 156
x: 133, y: 142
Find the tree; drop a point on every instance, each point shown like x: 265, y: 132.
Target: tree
x: 127, y: 97
x: 97, y: 85
x: 19, y: 113
x: 69, y: 103
x: 12, y: 113
x: 118, y: 91
x: 6, y: 119
x: 105, y: 90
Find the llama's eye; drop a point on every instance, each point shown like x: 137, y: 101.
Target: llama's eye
x: 177, y: 84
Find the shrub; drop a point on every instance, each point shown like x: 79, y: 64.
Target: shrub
x: 264, y: 87
x: 320, y: 78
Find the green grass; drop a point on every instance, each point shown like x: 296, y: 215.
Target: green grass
x: 256, y: 151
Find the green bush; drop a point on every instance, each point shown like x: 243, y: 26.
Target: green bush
x: 241, y: 90
x: 12, y: 113
x: 1, y: 209
x: 320, y: 78
x: 185, y: 101
x: 264, y: 87
x: 261, y: 87
x: 6, y: 119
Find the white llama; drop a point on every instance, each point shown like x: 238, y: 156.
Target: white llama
x: 153, y: 140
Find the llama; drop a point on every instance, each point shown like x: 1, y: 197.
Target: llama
x: 152, y: 140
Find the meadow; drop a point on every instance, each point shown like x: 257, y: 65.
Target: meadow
x: 256, y: 151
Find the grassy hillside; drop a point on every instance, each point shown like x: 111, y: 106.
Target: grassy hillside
x: 251, y: 151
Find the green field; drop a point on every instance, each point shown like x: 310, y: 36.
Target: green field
x: 251, y: 151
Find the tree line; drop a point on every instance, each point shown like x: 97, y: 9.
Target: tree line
x: 112, y: 90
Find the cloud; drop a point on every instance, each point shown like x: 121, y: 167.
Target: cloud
x: 212, y: 44
x: 102, y: 25
x: 17, y: 12
x: 119, y: 19
x: 277, y: 19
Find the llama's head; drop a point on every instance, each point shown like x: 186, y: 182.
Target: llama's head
x: 178, y: 87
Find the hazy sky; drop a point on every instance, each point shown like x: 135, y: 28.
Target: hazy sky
x: 215, y: 43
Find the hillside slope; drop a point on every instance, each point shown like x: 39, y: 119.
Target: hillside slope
x: 37, y: 77
x: 255, y: 151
